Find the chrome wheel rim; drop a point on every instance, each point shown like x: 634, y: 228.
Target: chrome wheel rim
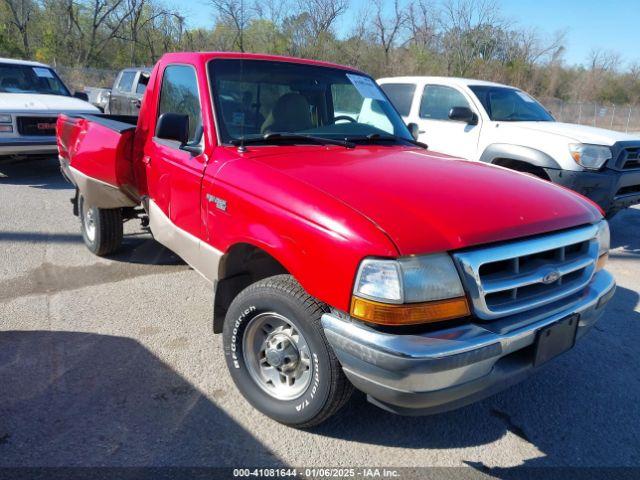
x: 89, y: 222
x: 277, y: 356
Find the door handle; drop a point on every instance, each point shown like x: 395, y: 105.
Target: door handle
x: 146, y: 160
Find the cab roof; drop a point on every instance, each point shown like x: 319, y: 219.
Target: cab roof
x: 206, y: 56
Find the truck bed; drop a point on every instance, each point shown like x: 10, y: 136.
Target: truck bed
x: 96, y: 155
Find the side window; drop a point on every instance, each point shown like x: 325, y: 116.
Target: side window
x: 143, y: 80
x: 438, y: 100
x: 179, y: 94
x: 126, y: 81
x: 401, y: 95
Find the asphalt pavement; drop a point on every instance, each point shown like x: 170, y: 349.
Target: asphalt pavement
x: 112, y: 362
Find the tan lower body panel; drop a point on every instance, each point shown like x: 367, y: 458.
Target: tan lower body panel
x: 98, y: 193
x: 198, y: 254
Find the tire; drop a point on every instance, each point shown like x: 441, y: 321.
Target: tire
x: 258, y: 317
x: 101, y: 228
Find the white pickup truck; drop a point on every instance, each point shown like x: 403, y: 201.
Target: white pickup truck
x: 31, y: 97
x: 502, y: 125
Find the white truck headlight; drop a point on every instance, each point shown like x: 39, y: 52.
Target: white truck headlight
x: 590, y: 156
x: 604, y: 243
x: 5, y: 118
x: 409, y: 290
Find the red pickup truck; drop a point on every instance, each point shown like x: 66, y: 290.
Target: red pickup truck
x: 342, y: 253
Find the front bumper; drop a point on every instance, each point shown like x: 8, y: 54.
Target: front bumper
x: 418, y: 374
x: 34, y: 145
x: 613, y: 190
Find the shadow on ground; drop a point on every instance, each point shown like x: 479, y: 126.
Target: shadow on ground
x: 79, y: 399
x: 36, y: 173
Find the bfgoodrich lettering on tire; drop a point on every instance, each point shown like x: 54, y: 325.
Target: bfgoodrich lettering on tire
x: 278, y: 355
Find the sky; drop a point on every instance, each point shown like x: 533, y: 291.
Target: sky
x: 589, y: 24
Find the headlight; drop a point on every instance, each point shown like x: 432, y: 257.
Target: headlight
x: 5, y: 118
x: 590, y: 156
x: 380, y: 280
x: 408, y: 291
x: 604, y: 242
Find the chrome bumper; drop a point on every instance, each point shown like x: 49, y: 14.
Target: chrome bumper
x: 28, y: 146
x: 446, y: 369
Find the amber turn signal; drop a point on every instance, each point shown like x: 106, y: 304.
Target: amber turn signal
x: 602, y: 261
x: 409, y: 313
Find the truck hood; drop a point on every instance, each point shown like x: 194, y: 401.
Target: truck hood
x: 427, y: 202
x: 571, y: 131
x: 28, y: 102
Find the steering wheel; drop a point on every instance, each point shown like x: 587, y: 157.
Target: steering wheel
x: 344, y: 117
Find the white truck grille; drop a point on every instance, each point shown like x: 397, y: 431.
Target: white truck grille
x: 514, y: 277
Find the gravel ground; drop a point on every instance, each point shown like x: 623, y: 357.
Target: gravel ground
x: 113, y: 363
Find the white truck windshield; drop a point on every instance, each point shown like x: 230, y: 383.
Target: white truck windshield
x: 505, y: 104
x: 30, y: 79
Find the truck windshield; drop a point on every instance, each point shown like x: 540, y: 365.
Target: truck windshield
x: 504, y: 104
x: 30, y: 79
x: 255, y: 98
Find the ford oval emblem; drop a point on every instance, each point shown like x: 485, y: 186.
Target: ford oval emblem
x: 551, y: 277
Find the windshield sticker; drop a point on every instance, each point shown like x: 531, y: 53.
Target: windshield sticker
x: 525, y: 97
x: 366, y: 87
x: 42, y: 72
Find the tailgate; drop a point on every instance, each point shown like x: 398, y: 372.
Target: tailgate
x: 96, y: 155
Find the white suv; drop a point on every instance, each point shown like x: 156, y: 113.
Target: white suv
x: 498, y: 124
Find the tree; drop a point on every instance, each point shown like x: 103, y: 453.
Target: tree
x: 386, y: 30
x: 21, y: 16
x: 235, y: 15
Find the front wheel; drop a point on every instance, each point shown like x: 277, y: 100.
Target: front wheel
x: 102, y: 229
x: 278, y: 355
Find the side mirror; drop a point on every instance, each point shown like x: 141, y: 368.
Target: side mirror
x: 414, y: 129
x: 173, y: 126
x: 81, y: 96
x: 463, y: 114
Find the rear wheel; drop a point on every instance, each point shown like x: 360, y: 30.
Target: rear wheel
x: 278, y: 355
x: 102, y: 228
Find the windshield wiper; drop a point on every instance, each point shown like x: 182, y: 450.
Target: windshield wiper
x: 288, y: 137
x: 377, y: 138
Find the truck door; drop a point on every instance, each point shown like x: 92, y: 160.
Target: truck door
x: 174, y: 174
x: 443, y: 135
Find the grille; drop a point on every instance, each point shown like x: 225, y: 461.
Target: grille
x: 514, y: 277
x: 631, y: 158
x: 40, y: 126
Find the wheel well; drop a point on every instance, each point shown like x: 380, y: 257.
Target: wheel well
x: 520, y: 166
x: 241, y: 266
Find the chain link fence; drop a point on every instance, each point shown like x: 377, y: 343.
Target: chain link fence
x: 623, y: 118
